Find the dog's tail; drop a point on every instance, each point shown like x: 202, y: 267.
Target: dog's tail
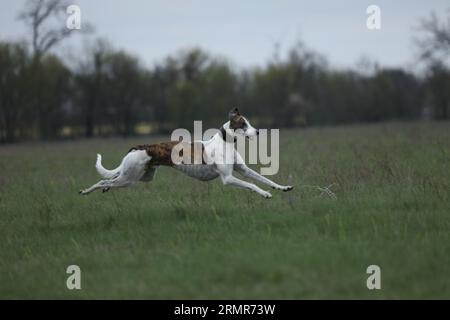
x: 108, y: 174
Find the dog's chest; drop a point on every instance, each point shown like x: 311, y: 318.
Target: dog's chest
x: 198, y: 171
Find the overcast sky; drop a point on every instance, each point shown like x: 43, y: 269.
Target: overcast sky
x: 245, y: 31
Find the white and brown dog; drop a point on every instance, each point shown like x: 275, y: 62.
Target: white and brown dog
x: 219, y: 158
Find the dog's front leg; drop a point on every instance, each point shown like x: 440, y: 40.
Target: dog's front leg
x: 233, y: 181
x: 246, y: 171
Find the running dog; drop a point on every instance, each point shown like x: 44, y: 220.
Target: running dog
x: 217, y: 158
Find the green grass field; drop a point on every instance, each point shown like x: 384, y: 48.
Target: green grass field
x: 181, y: 238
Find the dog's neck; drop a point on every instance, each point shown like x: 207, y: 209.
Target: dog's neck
x: 225, y: 135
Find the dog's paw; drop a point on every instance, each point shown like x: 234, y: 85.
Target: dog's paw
x: 283, y: 188
x: 82, y: 193
x: 267, y: 195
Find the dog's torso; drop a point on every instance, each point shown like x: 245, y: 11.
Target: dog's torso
x: 197, y: 159
x: 204, y: 172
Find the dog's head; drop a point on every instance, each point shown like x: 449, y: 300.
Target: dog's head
x: 239, y: 125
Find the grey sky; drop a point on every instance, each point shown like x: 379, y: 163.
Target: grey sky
x: 245, y: 31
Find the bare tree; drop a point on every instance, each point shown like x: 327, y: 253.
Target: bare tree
x: 90, y: 81
x: 14, y: 75
x: 434, y: 38
x: 434, y: 48
x: 46, y: 19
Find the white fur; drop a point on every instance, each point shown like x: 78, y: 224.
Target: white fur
x: 222, y: 159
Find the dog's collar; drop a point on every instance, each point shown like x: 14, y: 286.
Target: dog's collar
x: 225, y: 136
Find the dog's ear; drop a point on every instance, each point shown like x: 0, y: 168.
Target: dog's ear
x: 233, y: 113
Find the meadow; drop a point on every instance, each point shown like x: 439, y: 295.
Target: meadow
x: 177, y: 237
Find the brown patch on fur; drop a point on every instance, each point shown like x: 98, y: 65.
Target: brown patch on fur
x: 161, y: 153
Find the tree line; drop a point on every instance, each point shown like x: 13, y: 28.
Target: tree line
x: 110, y: 92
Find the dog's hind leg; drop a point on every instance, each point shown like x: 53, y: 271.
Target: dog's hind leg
x: 132, y: 170
x: 106, y: 184
x: 149, y: 174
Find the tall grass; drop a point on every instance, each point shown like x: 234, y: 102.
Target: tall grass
x: 180, y: 238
